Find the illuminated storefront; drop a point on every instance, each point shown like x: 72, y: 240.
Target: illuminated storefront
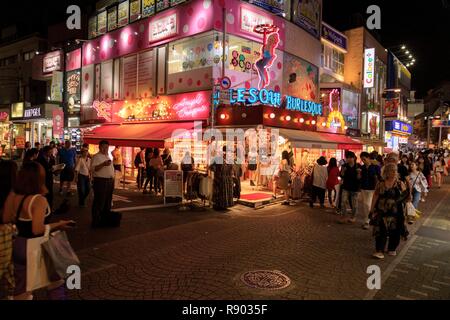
x: 397, y: 135
x: 5, y: 133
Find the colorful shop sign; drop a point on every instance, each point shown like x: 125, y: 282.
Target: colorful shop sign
x: 255, y: 96
x: 369, y: 68
x: 266, y: 97
x: 163, y: 28
x: 399, y: 127
x: 123, y: 15
x: 32, y: 113
x: 181, y: 107
x: 391, y: 108
x: 52, y: 62
x: 331, y: 35
x: 281, y: 7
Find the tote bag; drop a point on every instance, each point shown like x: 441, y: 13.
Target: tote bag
x: 59, y: 254
x: 37, y: 271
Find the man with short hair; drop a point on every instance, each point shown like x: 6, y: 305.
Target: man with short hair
x: 351, y: 175
x: 67, y: 156
x: 103, y: 184
x: 47, y: 161
x: 370, y: 174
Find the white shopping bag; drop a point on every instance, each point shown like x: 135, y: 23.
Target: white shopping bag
x: 410, y: 210
x: 37, y: 275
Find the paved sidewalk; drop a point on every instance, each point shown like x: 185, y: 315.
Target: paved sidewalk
x: 201, y: 254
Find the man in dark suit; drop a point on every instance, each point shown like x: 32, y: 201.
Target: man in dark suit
x: 47, y: 161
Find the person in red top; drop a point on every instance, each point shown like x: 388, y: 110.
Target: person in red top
x: 332, y: 181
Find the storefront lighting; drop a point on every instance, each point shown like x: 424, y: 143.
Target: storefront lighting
x: 223, y: 116
x: 403, y: 47
x: 272, y: 116
x: 37, y: 53
x: 345, y: 128
x: 324, y: 124
x: 135, y: 33
x: 288, y: 118
x: 313, y: 122
x: 244, y: 115
x: 407, y: 52
x: 302, y: 120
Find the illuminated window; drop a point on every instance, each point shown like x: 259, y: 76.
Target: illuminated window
x: 191, y: 53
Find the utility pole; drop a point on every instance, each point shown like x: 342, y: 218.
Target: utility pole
x: 428, y: 131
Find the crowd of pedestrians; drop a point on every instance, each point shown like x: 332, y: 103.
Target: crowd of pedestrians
x: 384, y: 190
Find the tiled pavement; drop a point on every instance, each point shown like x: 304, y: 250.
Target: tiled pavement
x: 168, y: 254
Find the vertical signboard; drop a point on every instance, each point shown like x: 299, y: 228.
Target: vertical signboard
x: 369, y: 68
x: 129, y: 71
x: 145, y: 74
x: 123, y: 13
x: 161, y: 70
x: 97, y: 82
x: 58, y: 123
x: 87, y: 83
x: 117, y: 68
x: 106, y: 82
x: 73, y: 91
x: 135, y: 10
x: 57, y: 86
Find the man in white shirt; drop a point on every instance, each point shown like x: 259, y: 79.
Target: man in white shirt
x: 103, y: 173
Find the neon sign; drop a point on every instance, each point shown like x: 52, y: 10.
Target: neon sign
x: 254, y: 95
x: 304, y: 106
x: 190, y: 108
x: 103, y: 109
x: 270, y: 43
x: 332, y: 117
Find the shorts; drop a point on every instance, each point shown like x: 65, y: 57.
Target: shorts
x: 252, y: 167
x: 117, y: 167
x: 67, y: 174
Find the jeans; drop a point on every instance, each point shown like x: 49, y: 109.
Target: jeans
x: 416, y: 198
x: 331, y: 198
x: 350, y: 199
x: 318, y: 192
x: 367, y: 196
x: 151, y: 176
x: 83, y: 186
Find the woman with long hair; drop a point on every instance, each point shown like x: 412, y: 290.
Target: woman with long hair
x: 332, y: 181
x: 418, y: 183
x: 27, y: 207
x: 320, y: 177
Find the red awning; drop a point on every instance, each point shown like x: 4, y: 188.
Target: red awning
x: 320, y: 140
x: 149, y: 135
x: 344, y: 142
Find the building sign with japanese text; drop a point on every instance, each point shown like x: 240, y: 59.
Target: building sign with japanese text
x: 163, y: 28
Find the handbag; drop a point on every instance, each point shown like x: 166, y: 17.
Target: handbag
x: 59, y: 254
x: 410, y: 210
x: 37, y: 271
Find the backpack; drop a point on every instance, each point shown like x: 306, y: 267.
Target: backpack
x: 137, y: 160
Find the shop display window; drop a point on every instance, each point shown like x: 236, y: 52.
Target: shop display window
x: 191, y: 53
x: 242, y: 54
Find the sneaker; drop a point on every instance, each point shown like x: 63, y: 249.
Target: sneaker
x: 252, y: 184
x: 378, y: 255
x: 351, y: 220
x: 392, y: 253
x: 285, y: 203
x: 366, y: 226
x: 422, y: 200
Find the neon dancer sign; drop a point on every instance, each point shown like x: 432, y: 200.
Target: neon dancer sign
x: 271, y: 39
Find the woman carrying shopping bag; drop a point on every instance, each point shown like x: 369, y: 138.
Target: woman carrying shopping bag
x: 27, y: 207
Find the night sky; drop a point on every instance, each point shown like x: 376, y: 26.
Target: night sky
x: 423, y: 26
